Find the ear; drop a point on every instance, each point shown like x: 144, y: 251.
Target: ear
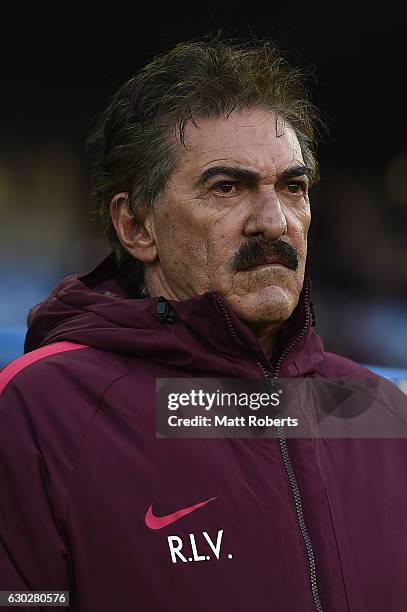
x: 134, y: 233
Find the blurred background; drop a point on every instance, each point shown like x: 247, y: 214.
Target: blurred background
x: 60, y: 65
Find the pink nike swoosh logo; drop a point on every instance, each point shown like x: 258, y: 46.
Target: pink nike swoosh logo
x: 158, y: 522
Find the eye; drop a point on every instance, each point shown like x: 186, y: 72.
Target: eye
x: 225, y: 188
x: 297, y: 187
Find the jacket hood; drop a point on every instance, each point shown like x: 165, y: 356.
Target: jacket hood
x: 94, y: 310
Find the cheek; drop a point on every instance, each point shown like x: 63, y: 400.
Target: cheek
x: 181, y: 246
x: 191, y: 235
x: 210, y: 232
x: 298, y: 223
x: 223, y: 237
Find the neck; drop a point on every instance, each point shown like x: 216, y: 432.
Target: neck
x: 157, y: 285
x: 267, y: 336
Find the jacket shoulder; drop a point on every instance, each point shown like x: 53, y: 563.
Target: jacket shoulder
x: 49, y: 400
x: 337, y: 366
x: 60, y: 366
x: 10, y: 371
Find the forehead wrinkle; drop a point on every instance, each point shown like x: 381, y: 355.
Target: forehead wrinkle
x: 238, y: 121
x: 226, y: 147
x: 274, y: 147
x: 266, y: 139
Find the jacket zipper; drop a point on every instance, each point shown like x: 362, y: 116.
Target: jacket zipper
x: 295, y: 490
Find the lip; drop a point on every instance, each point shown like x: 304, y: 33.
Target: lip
x: 274, y: 264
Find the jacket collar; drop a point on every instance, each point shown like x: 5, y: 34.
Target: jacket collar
x: 93, y: 309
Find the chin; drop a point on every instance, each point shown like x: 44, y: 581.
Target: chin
x: 273, y: 304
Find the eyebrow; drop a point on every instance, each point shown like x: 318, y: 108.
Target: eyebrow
x: 249, y: 175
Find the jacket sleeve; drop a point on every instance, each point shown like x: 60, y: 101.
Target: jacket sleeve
x: 33, y: 551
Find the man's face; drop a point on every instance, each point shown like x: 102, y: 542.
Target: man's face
x: 235, y: 215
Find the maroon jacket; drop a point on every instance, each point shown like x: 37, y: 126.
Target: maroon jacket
x: 92, y: 502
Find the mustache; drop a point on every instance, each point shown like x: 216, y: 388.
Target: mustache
x: 257, y: 252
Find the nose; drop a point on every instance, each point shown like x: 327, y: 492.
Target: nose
x: 266, y: 219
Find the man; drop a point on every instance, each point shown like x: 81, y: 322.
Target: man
x: 204, y: 162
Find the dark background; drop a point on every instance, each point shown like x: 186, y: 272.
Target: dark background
x: 61, y: 63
